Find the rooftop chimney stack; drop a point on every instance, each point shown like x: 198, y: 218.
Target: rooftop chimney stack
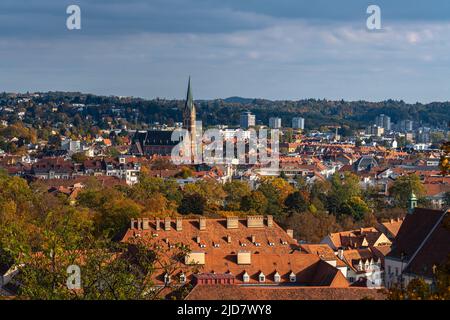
x: 228, y: 239
x: 270, y: 221
x: 139, y: 223
x: 202, y: 223
x: 232, y: 222
x: 197, y: 239
x: 132, y: 223
x: 167, y: 223
x: 255, y: 222
x: 158, y: 224
x: 179, y: 224
x: 145, y: 224
x: 290, y: 233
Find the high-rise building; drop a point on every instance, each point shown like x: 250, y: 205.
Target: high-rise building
x: 406, y: 125
x: 298, y: 123
x: 383, y: 121
x: 247, y: 120
x: 375, y: 131
x: 275, y: 123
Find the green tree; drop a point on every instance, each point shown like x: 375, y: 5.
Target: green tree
x: 79, y: 157
x: 255, y: 202
x: 297, y: 201
x: 402, y: 188
x: 235, y: 191
x: 343, y: 189
x: 193, y: 203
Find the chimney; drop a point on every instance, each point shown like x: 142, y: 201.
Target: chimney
x: 270, y: 221
x: 202, y: 223
x: 228, y: 239
x: 340, y: 254
x: 158, y: 224
x: 232, y: 222
x: 253, y: 238
x: 290, y: 233
x: 197, y: 239
x: 145, y: 224
x: 244, y: 257
x: 255, y: 222
x: 179, y: 224
x: 132, y: 223
x: 167, y: 222
x: 139, y: 223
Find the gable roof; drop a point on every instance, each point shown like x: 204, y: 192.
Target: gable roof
x: 435, y: 250
x: 392, y: 226
x: 415, y: 228
x: 362, y: 237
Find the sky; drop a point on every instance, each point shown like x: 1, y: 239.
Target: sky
x: 273, y: 49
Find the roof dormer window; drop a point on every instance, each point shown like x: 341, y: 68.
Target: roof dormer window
x: 166, y: 279
x: 246, y: 277
x: 261, y: 277
x: 292, y: 277
x: 182, y: 278
x: 277, y: 277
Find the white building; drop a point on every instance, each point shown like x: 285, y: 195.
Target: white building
x: 247, y: 120
x: 298, y: 123
x: 275, y: 123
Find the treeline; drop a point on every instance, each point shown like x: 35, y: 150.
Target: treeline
x: 105, y: 112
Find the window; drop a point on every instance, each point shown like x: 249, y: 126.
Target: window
x: 396, y: 271
x: 262, y: 277
x: 277, y: 277
x: 389, y: 270
x: 166, y: 279
x: 292, y: 277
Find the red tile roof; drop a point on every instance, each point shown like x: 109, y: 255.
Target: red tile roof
x: 233, y: 292
x: 413, y: 232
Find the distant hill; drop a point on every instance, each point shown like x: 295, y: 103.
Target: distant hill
x: 106, y: 111
x: 239, y: 100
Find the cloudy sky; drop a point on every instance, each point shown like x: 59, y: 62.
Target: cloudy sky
x: 275, y: 49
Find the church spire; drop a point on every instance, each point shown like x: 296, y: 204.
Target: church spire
x: 189, y: 98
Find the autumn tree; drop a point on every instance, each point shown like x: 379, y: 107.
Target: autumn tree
x: 235, y: 191
x: 402, y: 188
x: 255, y: 203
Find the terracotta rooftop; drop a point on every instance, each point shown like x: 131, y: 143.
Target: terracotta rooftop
x: 392, y: 226
x: 413, y: 232
x: 267, y: 249
x: 434, y: 251
x: 230, y: 292
x: 362, y: 237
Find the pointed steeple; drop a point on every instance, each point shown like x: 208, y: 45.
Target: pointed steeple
x: 189, y: 105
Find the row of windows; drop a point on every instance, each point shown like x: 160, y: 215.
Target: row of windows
x: 245, y: 278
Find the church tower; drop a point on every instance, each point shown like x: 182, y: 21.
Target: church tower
x: 189, y: 118
x: 412, y: 203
